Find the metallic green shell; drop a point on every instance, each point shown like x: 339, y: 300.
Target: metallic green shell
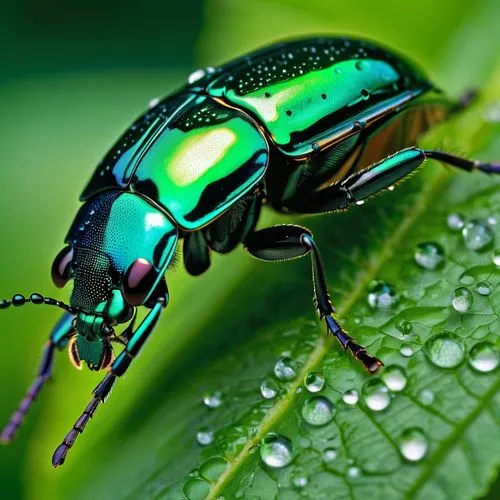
x: 310, y: 94
x: 193, y: 157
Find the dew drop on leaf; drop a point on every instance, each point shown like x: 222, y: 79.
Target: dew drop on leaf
x: 462, y: 299
x: 495, y: 257
x: 477, y: 235
x: 455, y: 221
x: 381, y: 295
x: 269, y: 389
x: 285, y: 369
x: 394, y: 378
x: 350, y: 397
x: 314, y: 382
x: 413, y: 444
x: 376, y: 395
x: 484, y: 288
x: 299, y: 479
x: 429, y: 255
x: 275, y: 450
x: 329, y: 455
x: 318, y: 411
x: 484, y: 357
x: 353, y: 472
x: 405, y: 327
x: 426, y: 397
x: 213, y: 468
x: 213, y: 399
x: 406, y: 350
x: 444, y: 351
x: 205, y: 436
x: 195, y: 488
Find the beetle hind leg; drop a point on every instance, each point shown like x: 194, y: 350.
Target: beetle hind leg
x: 289, y: 242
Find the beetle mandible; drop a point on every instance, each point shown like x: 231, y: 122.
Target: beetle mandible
x: 308, y: 126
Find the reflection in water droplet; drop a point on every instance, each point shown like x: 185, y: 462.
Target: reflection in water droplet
x: 405, y: 327
x: 205, y: 436
x: 484, y: 288
x: 269, y: 389
x: 381, y: 295
x: 213, y: 399
x: 429, y: 255
x: 213, y: 468
x: 495, y: 257
x: 329, y: 455
x: 462, y: 299
x: 406, y: 350
x: 413, y: 444
x: 444, y: 351
x: 314, y: 382
x: 350, y: 397
x: 276, y: 450
x: 426, y: 397
x: 484, y: 357
x: 318, y: 410
x: 376, y: 395
x: 195, y: 488
x: 284, y: 369
x: 477, y: 235
x: 394, y: 378
x: 455, y: 221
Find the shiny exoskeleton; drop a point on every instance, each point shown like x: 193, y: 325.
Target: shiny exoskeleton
x: 308, y: 126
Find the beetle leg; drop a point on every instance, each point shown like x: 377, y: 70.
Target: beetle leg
x: 58, y: 338
x: 286, y: 242
x: 118, y: 368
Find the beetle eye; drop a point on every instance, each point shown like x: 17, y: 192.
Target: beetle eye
x: 138, y: 281
x: 62, y: 266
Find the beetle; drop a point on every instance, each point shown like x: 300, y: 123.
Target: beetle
x: 308, y: 126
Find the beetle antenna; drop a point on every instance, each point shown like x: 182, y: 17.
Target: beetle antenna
x: 36, y: 298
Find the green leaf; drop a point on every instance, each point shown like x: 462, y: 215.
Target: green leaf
x: 226, y: 330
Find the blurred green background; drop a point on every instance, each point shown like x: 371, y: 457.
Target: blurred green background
x: 73, y: 76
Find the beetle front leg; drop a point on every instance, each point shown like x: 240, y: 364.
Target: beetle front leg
x: 58, y: 338
x: 289, y: 242
x: 118, y: 368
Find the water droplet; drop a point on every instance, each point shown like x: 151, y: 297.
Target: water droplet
x: 205, y: 436
x: 361, y: 65
x: 329, y: 455
x: 213, y: 468
x: 314, y: 382
x: 413, y: 444
x: 484, y: 357
x: 491, y: 220
x: 495, y: 257
x: 299, y: 479
x: 455, y: 221
x: 284, y: 369
x: 354, y: 472
x: 213, y: 399
x: 350, y: 397
x: 429, y: 255
x: 275, y: 450
x: 154, y: 102
x: 405, y: 327
x: 462, y: 299
x: 484, y: 288
x: 195, y: 488
x: 477, y: 235
x: 492, y: 114
x: 381, y: 295
x: 394, y: 378
x: 376, y: 395
x: 305, y: 442
x: 467, y: 279
x: 406, y: 350
x: 269, y: 389
x: 426, y: 397
x: 318, y: 411
x: 444, y: 351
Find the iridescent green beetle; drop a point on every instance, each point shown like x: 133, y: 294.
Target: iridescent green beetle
x: 309, y: 126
